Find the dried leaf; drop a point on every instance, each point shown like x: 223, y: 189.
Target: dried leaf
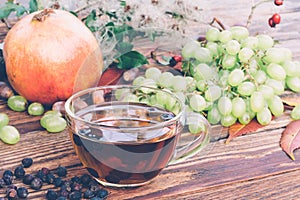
x: 290, y: 139
x: 110, y: 76
x: 238, y: 129
x: 290, y: 99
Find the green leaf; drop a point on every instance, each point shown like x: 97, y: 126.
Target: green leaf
x: 90, y: 21
x: 131, y: 59
x: 33, y: 6
x: 10, y: 7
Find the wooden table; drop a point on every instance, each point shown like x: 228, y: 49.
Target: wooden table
x: 249, y: 167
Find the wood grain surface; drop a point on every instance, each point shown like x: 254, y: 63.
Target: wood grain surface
x: 249, y: 167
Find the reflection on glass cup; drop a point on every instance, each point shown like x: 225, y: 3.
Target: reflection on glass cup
x: 125, y: 135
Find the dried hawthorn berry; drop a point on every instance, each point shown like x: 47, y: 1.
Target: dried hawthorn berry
x: 76, y: 186
x: 45, y: 170
x: 36, y: 183
x: 88, y: 194
x: 50, y: 178
x: 102, y: 193
x: 75, y: 195
x: 75, y: 179
x: 19, y: 172
x: 61, y: 171
x: 8, y: 178
x: 11, y: 194
x: 27, y: 162
x: 85, y: 180
x: 51, y: 195
x: 7, y: 173
x: 2, y: 183
x: 27, y: 179
x: 57, y: 182
x: 64, y: 193
x: 22, y: 192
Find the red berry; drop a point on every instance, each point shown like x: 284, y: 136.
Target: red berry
x: 271, y: 23
x: 177, y: 58
x: 276, y: 18
x: 278, y: 2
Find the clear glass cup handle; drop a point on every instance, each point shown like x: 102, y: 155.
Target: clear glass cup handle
x: 190, y: 144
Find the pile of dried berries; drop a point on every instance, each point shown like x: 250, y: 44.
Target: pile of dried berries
x: 76, y: 188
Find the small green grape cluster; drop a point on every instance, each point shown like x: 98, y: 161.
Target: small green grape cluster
x: 52, y: 120
x: 232, y: 76
x: 8, y: 133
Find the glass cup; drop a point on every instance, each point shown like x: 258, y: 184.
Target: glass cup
x: 126, y: 135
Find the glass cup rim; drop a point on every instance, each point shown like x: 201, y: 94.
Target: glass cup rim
x: 71, y: 114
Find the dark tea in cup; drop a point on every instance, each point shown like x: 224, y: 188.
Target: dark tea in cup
x: 121, y: 135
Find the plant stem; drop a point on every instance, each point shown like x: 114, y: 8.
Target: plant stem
x: 254, y: 6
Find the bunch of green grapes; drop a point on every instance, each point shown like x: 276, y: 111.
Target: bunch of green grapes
x: 232, y: 76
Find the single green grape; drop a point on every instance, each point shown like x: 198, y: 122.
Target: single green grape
x: 212, y: 34
x: 190, y: 83
x: 228, y: 120
x: 264, y: 116
x: 47, y: 115
x: 295, y: 114
x: 267, y: 91
x: 225, y: 36
x: 238, y: 107
x: 35, y: 109
x: 201, y: 85
x: 229, y: 61
x: 276, y: 106
x: 245, y: 118
x: 293, y: 83
x: 224, y: 105
x: 203, y: 55
x: 257, y: 101
x: 138, y: 80
x: 4, y: 119
x: 120, y: 93
x: 290, y: 68
x: 55, y: 124
x: 275, y: 71
x: 213, y: 93
x: 202, y: 72
x: 239, y: 32
x: 195, y: 123
x: 245, y: 54
x: 213, y: 48
x: 274, y: 55
x: 264, y: 42
x: 250, y: 42
x: 213, y: 115
x: 260, y: 76
x: 179, y: 83
x: 246, y: 88
x: 197, y: 102
x: 152, y: 73
x: 189, y: 49
x: 236, y: 77
x: 278, y: 86
x: 17, y: 103
x: 165, y: 80
x: 9, y: 134
x: 232, y: 47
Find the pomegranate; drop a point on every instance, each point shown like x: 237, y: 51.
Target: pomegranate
x: 51, y: 54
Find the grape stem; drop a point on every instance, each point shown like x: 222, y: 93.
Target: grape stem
x: 253, y: 7
x: 218, y: 22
